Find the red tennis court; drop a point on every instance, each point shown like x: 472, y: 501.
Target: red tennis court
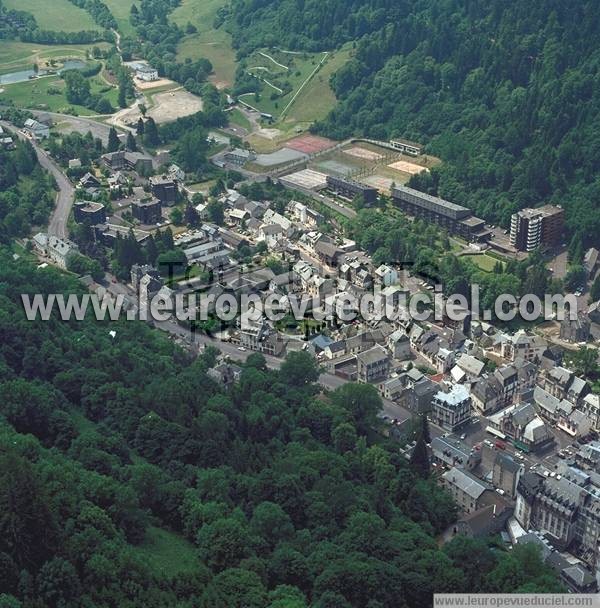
x: 309, y: 144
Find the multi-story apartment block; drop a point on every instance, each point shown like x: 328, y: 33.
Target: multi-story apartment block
x: 531, y: 228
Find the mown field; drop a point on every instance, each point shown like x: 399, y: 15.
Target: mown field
x: 316, y: 99
x: 38, y: 94
x: 279, y: 71
x: 55, y: 15
x: 213, y: 44
x: 15, y: 56
x: 120, y: 10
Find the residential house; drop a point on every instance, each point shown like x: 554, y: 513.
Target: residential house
x: 283, y: 283
x: 399, y: 345
x: 563, y: 384
x: 590, y: 262
x: 89, y: 181
x: 469, y: 492
x: 575, y: 330
x: 590, y: 406
x: 394, y: 388
x: 271, y: 234
x: 521, y: 346
x: 335, y: 349
x: 89, y: 212
x: 386, y: 275
x: 319, y: 287
x: 451, y: 410
x: 485, y: 522
x: 373, y: 364
x: 419, y: 396
x: 451, y: 452
x: 146, y: 73
x: 576, y: 423
x: 305, y: 215
x: 36, y: 129
x: 239, y: 156
x: 140, y: 270
x: 444, y: 360
x: 327, y: 253
x: 164, y: 189
x: 471, y: 366
x: 506, y: 473
x: 148, y: 211
x: 521, y: 423
x: 272, y: 217
x: 225, y: 374
x: 58, y: 250
x: 115, y: 182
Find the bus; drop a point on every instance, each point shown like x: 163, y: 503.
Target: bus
x: 495, y: 433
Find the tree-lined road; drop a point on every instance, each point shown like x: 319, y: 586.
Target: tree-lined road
x: 328, y: 381
x: 66, y: 192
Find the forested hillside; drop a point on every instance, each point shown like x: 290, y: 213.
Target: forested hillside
x: 268, y: 494
x: 506, y: 92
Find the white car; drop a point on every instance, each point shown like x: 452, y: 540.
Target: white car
x: 242, y: 348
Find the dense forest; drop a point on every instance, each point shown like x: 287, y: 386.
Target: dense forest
x: 278, y: 496
x: 26, y: 192
x: 506, y: 92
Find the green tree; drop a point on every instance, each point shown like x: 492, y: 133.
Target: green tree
x: 113, y: 140
x: 234, y: 588
x: 299, y: 369
x: 131, y: 143
x: 77, y: 87
x: 271, y: 523
x: 224, y: 543
x: 216, y: 212
x: 151, y: 136
x: 27, y: 529
x: 177, y: 216
x: 419, y: 459
x: 361, y: 402
x: 58, y: 583
x: 344, y: 437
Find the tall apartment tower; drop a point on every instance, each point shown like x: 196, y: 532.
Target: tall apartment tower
x: 531, y: 228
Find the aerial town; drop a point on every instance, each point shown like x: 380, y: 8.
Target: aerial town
x: 514, y: 431
x: 160, y: 157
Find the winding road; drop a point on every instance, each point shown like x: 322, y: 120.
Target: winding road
x: 64, y: 198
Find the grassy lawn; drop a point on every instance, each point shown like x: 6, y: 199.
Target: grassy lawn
x: 120, y: 10
x: 236, y: 117
x: 316, y: 99
x: 57, y: 15
x: 34, y: 94
x: 484, y: 261
x: 15, y: 56
x: 278, y: 70
x: 210, y: 43
x: 310, y: 98
x: 166, y: 553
